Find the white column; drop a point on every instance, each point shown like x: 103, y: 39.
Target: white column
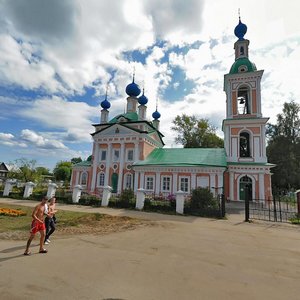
x: 193, y: 181
x: 157, y: 183
x: 28, y: 189
x: 261, y: 186
x: 76, y: 193
x: 136, y: 180
x: 175, y: 188
x: 121, y: 167
x: 8, y: 186
x: 213, y: 183
x: 77, y: 177
x: 95, y: 165
x: 107, y: 164
x: 142, y: 179
x: 106, y: 195
x: 220, y: 183
x: 136, y: 152
x: 231, y: 184
x: 140, y: 199
x: 179, y: 202
x: 51, y: 190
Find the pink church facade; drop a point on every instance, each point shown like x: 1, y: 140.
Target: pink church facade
x: 128, y: 150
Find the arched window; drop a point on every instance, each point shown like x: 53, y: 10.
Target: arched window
x: 128, y: 181
x: 83, y: 179
x: 242, y: 50
x: 244, y: 144
x: 244, y: 106
x: 101, y: 178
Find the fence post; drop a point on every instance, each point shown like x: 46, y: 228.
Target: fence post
x: 274, y: 209
x: 298, y: 202
x: 223, y: 212
x: 106, y: 195
x: 246, y: 203
x: 140, y: 199
x: 180, y: 202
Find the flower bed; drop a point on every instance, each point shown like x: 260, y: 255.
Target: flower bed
x: 12, y: 212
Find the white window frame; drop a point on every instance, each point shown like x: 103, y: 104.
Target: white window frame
x: 99, y: 179
x: 146, y: 183
x: 187, y: 184
x: 81, y: 178
x: 169, y: 183
x: 116, y: 158
x: 126, y: 181
x: 127, y: 154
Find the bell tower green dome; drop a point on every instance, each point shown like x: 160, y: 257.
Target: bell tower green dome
x: 242, y: 65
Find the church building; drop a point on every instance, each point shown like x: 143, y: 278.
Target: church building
x: 128, y: 150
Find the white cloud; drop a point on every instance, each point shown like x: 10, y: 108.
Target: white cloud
x: 57, y: 113
x: 39, y: 141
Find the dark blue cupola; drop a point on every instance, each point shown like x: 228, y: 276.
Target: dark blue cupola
x: 156, y: 115
x: 105, y: 104
x: 240, y: 30
x: 143, y: 100
x: 132, y: 89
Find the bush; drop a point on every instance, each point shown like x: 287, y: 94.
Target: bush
x: 127, y: 198
x: 202, y: 203
x: 89, y: 200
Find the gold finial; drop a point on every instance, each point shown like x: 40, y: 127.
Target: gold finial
x: 106, y: 91
x: 133, y: 75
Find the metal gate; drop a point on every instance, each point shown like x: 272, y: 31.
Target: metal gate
x: 277, y: 210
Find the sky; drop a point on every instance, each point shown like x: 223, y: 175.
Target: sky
x: 58, y: 58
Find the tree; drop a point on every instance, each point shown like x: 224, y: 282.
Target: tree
x: 196, y: 133
x: 284, y: 148
x: 76, y: 160
x: 23, y: 169
x: 62, y: 170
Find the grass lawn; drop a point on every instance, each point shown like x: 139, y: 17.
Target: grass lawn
x: 68, y: 222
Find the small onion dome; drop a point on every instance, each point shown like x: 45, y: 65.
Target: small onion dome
x: 156, y: 115
x: 133, y: 90
x: 240, y: 30
x: 105, y: 104
x: 143, y: 100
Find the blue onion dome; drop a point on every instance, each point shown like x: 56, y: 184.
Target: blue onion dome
x: 132, y: 89
x: 143, y: 100
x: 240, y: 30
x: 156, y: 115
x: 105, y: 104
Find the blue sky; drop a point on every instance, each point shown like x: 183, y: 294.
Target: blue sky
x: 57, y: 57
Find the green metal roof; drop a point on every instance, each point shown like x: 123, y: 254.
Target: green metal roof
x: 250, y: 163
x: 215, y: 157
x: 130, y: 116
x: 240, y: 62
x: 85, y: 163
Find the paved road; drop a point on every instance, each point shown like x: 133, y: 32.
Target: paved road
x: 181, y: 258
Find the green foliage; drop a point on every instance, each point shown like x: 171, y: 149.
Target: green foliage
x: 196, y: 133
x: 126, y: 197
x: 283, y: 148
x: 90, y: 200
x: 76, y: 160
x: 202, y: 203
x: 62, y: 171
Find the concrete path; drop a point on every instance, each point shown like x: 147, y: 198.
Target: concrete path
x: 181, y: 258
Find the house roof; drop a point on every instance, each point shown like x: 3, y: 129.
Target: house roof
x: 85, y: 163
x: 215, y: 157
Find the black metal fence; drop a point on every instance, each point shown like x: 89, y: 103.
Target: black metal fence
x: 277, y: 210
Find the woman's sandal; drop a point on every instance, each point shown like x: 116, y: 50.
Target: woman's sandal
x: 27, y: 253
x: 43, y: 251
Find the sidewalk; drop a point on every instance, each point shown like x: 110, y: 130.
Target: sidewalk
x: 182, y: 258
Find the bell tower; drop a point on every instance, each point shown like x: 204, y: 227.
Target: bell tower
x: 244, y: 126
